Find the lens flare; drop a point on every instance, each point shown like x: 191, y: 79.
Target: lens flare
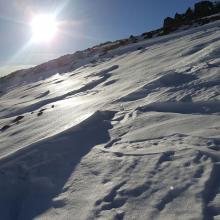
x: 44, y: 28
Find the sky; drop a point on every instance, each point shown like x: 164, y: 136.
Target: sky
x: 82, y: 24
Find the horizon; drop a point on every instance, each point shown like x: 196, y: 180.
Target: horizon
x: 82, y: 26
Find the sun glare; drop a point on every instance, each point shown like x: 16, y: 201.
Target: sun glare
x: 44, y: 28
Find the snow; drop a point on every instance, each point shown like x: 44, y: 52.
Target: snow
x: 133, y: 133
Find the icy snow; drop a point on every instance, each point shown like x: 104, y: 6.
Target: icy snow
x: 134, y: 134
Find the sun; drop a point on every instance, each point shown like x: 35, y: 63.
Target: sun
x: 44, y: 28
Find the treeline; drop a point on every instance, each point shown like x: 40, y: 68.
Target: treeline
x: 201, y: 9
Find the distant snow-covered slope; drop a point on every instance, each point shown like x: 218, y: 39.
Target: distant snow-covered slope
x: 128, y: 133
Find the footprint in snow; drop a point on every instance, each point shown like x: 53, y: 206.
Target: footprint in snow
x: 5, y: 127
x: 14, y: 121
x: 41, y: 112
x: 17, y: 119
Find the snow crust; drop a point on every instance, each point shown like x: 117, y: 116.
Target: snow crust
x: 133, y: 133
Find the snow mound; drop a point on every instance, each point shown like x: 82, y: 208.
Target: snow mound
x: 27, y: 175
x: 184, y: 107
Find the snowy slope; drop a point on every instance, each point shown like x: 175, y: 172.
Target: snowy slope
x: 133, y: 133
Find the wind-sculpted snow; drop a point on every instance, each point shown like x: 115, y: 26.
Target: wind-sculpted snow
x: 33, y: 176
x: 104, y: 75
x: 184, y: 107
x: 132, y: 133
x: 167, y: 80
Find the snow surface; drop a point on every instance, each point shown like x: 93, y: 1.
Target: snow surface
x: 133, y: 133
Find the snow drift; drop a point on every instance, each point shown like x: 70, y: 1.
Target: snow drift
x: 131, y: 133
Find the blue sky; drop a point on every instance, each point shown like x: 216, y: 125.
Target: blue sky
x: 85, y: 23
